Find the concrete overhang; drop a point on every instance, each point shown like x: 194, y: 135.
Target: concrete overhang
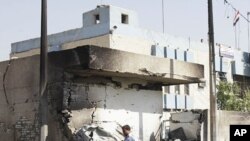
x: 100, y: 61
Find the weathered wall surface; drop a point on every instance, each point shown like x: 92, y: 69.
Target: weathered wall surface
x: 19, y: 112
x: 20, y: 118
x: 80, y: 100
x: 201, y: 95
x: 102, y: 41
x: 102, y: 104
x: 20, y: 108
x: 227, y: 118
x: 193, y: 124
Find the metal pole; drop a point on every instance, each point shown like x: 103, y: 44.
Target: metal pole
x: 212, y: 77
x: 43, y: 74
x: 163, y: 17
x: 248, y: 38
x: 235, y: 37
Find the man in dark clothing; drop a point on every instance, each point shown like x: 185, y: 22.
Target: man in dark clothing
x: 126, y: 130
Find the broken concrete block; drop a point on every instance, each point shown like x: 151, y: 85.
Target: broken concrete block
x: 183, y: 117
x: 178, y: 134
x: 191, y: 129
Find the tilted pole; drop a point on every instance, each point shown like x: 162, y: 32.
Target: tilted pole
x: 43, y: 74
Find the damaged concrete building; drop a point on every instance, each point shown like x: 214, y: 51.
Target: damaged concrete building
x: 108, y: 73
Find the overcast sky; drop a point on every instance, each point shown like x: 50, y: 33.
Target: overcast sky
x: 20, y: 19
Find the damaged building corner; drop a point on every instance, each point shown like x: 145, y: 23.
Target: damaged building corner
x: 86, y: 103
x: 94, y: 87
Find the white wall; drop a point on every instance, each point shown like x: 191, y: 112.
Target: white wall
x: 142, y: 45
x: 141, y: 109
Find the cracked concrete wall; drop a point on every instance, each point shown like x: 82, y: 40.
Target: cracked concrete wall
x: 19, y: 92
x: 110, y: 104
x: 19, y: 100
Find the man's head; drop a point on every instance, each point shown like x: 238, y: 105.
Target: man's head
x: 126, y: 130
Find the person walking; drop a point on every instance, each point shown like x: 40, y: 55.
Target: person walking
x: 126, y: 131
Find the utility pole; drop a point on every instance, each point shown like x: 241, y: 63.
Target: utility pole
x: 43, y: 74
x: 212, y: 77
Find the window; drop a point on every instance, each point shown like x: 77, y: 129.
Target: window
x: 222, y: 76
x: 124, y: 19
x: 202, y: 85
x: 97, y: 19
x: 166, y: 89
x: 177, y: 89
x: 186, y: 89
